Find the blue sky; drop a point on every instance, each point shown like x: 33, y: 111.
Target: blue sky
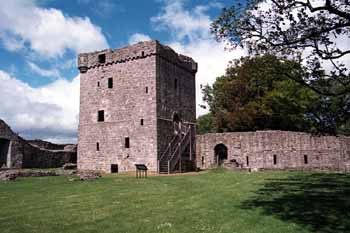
x: 39, y: 42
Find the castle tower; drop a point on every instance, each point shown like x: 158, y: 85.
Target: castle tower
x: 137, y: 106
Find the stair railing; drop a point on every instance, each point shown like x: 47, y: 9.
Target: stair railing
x: 178, y: 151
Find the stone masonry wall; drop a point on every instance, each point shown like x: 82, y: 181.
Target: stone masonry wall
x: 176, y: 93
x: 22, y: 154
x: 132, y: 98
x: 143, y: 75
x: 289, y: 149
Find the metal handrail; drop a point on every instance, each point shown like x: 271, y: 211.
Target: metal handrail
x: 168, y: 148
x: 177, y: 148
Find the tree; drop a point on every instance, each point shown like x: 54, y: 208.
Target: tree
x: 313, y: 32
x: 205, y: 124
x: 253, y: 95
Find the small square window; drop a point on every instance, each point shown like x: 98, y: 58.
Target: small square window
x: 102, y: 58
x: 141, y: 121
x: 101, y: 115
x: 110, y: 82
x: 127, y: 143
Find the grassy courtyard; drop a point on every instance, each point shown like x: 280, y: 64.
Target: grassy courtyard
x: 215, y: 201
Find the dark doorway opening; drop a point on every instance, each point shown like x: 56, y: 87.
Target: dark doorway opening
x: 114, y: 168
x: 4, y: 148
x: 220, y: 153
x: 176, y: 117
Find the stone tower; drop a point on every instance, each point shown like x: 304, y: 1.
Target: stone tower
x: 137, y: 106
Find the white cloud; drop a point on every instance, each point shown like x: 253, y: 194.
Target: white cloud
x: 191, y: 36
x: 138, y: 37
x: 190, y: 24
x: 47, y: 32
x: 51, y: 73
x: 49, y: 112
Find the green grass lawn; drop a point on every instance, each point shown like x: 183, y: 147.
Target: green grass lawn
x: 215, y: 201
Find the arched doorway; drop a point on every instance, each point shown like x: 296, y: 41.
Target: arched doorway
x: 220, y: 153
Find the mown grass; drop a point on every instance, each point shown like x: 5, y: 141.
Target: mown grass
x: 216, y: 201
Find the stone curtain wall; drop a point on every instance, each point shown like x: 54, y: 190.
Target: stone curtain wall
x: 292, y: 150
x: 143, y: 89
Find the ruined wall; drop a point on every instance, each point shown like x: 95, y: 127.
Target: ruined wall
x: 22, y: 154
x: 143, y: 90
x: 292, y: 150
x: 34, y: 157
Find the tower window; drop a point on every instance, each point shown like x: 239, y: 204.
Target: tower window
x: 127, y: 142
x: 305, y: 159
x: 141, y: 122
x: 175, y: 84
x: 97, y: 146
x: 247, y: 160
x: 101, y: 115
x: 274, y: 159
x: 98, y: 84
x: 146, y: 90
x: 102, y: 58
x: 110, y: 82
x: 142, y: 53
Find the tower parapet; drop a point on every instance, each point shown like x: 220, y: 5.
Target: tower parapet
x: 140, y: 50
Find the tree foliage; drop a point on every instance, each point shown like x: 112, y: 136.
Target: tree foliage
x: 254, y: 94
x: 205, y: 124
x: 314, y: 32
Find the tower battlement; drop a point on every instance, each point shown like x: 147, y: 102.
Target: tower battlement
x: 140, y: 50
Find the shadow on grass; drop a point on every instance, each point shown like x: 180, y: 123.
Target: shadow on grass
x: 319, y: 202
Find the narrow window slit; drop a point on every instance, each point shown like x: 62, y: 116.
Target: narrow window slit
x: 127, y: 142
x: 101, y: 116
x: 110, y: 82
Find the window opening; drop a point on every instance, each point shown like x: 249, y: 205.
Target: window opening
x: 127, y: 142
x: 101, y: 116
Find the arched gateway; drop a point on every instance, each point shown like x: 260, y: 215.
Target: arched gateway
x: 220, y: 153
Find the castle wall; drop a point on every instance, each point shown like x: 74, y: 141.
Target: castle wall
x: 18, y: 153
x: 289, y: 149
x: 124, y: 105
